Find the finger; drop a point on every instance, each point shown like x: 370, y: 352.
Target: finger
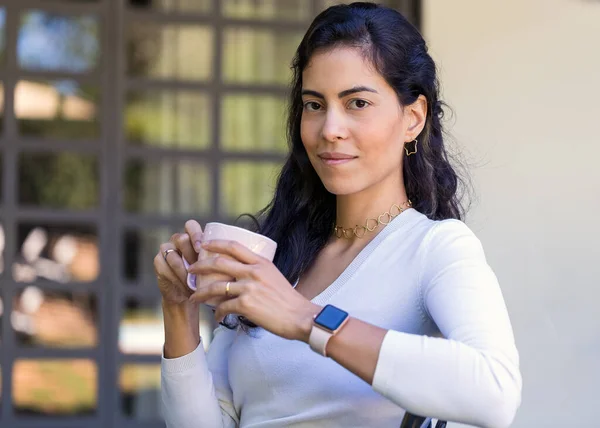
x: 166, y: 272
x: 194, y: 231
x: 165, y: 250
x: 221, y: 264
x: 219, y: 289
x: 233, y: 249
x: 227, y: 307
x: 174, y: 261
x: 183, y: 243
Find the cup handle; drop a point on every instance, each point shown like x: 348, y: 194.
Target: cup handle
x: 191, y: 278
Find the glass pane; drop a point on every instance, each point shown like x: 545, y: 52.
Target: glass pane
x: 60, y: 109
x: 141, y: 330
x: 56, y: 252
x: 196, y: 6
x: 328, y: 3
x: 139, y: 248
x: 183, y: 52
x: 289, y: 10
x: 58, y: 180
x: 168, y: 119
x: 140, y: 391
x: 54, y: 387
x: 258, y: 56
x: 247, y: 186
x: 46, y: 318
x: 252, y: 122
x: 2, y: 33
x: 169, y: 187
x: 52, y: 42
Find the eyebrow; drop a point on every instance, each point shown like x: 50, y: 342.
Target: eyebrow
x: 342, y: 94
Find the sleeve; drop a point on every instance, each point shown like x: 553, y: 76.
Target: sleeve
x: 471, y: 375
x: 195, y: 387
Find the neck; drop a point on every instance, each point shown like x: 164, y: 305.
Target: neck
x: 356, y: 208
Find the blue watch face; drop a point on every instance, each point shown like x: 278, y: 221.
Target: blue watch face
x: 331, y: 317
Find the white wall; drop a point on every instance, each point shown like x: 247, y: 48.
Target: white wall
x: 523, y: 77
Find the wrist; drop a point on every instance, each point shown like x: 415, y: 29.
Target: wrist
x: 184, y: 309
x: 182, y: 328
x: 306, y: 321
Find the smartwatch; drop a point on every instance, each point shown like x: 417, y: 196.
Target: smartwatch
x: 325, y: 325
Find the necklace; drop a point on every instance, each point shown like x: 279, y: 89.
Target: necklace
x: 372, y: 223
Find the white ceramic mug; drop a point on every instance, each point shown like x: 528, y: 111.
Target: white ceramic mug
x: 256, y: 242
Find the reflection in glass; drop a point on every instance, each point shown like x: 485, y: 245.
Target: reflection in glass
x: 54, y: 387
x: 328, y: 3
x: 247, y: 187
x: 58, y: 180
x: 168, y: 119
x: 56, y: 252
x: 253, y: 123
x: 60, y: 109
x: 196, y: 6
x: 171, y: 51
x: 141, y: 330
x: 139, y: 248
x: 168, y: 187
x: 140, y: 391
x: 51, y: 42
x: 2, y: 33
x: 288, y: 10
x: 54, y: 319
x: 258, y: 56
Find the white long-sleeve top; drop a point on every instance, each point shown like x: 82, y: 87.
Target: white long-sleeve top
x: 449, y: 352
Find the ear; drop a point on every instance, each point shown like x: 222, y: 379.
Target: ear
x: 416, y: 115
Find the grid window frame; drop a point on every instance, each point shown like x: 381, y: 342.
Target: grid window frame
x: 109, y: 217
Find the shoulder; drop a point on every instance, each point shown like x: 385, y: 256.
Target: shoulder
x: 440, y: 235
x: 451, y: 234
x: 450, y: 243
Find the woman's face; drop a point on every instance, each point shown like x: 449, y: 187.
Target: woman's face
x: 350, y: 111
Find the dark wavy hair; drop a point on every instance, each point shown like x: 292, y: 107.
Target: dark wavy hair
x: 301, y: 215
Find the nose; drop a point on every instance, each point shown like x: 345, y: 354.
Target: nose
x: 334, y: 127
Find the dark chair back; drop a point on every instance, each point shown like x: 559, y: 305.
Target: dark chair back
x: 413, y: 421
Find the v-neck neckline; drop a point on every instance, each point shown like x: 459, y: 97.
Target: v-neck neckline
x: 362, y: 256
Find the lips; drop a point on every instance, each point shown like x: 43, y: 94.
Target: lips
x: 330, y: 162
x: 336, y: 156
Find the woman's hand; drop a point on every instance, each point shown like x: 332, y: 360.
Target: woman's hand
x: 170, y: 270
x: 260, y: 293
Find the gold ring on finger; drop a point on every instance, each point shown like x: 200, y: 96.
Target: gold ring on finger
x: 170, y: 250
x: 227, y: 289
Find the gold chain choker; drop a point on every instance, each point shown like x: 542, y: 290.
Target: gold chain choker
x: 372, y: 223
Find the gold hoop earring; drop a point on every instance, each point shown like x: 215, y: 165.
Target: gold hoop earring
x: 412, y: 150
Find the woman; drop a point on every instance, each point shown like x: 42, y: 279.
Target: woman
x: 427, y: 331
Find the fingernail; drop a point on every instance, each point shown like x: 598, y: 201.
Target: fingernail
x: 197, y: 246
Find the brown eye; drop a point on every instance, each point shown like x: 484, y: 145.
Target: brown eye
x: 359, y: 104
x: 312, y: 106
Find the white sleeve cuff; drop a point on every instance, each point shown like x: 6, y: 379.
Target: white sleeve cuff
x: 185, y: 362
